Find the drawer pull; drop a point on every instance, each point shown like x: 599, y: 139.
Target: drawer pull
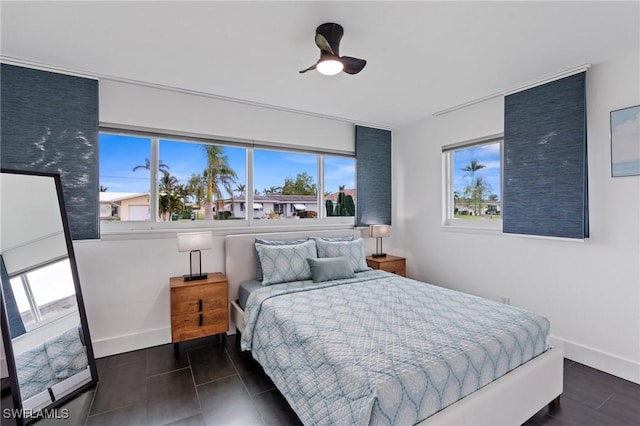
x: 200, y: 306
x: 200, y: 322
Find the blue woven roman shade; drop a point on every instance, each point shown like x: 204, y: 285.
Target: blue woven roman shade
x: 545, y: 160
x: 373, y: 174
x: 14, y: 319
x: 50, y: 124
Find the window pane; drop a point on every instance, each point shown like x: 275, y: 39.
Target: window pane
x: 200, y: 181
x: 476, y: 182
x: 285, y: 178
x: 339, y: 186
x: 124, y: 177
x: 52, y: 288
x: 21, y: 300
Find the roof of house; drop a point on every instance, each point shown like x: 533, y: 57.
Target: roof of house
x: 110, y: 197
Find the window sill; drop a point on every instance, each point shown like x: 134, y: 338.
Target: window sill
x: 158, y: 230
x: 472, y: 229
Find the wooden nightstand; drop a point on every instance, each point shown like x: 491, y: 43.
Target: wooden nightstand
x: 389, y: 263
x: 199, y: 308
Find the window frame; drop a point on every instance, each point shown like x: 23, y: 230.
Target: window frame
x: 39, y: 320
x: 118, y: 229
x: 448, y: 219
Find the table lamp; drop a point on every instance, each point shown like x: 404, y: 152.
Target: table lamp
x: 193, y: 242
x: 378, y: 232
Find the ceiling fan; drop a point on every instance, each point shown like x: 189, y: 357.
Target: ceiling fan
x: 330, y: 63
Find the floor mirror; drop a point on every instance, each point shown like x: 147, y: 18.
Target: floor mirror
x: 44, y: 325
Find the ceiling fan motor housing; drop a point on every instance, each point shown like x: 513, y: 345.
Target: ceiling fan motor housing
x: 333, y: 34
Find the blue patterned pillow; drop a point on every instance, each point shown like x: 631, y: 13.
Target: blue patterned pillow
x: 66, y: 353
x: 352, y: 250
x: 259, y: 275
x: 347, y: 238
x: 284, y: 263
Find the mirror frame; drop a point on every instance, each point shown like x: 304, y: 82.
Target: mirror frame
x: 6, y: 336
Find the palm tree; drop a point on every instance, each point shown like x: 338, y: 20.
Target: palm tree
x: 472, y: 168
x: 196, y: 188
x: 240, y: 188
x: 476, y: 193
x: 147, y: 165
x: 272, y: 190
x: 103, y: 188
x: 219, y: 175
x: 167, y: 183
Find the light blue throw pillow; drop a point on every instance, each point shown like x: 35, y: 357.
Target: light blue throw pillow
x: 285, y: 263
x: 352, y: 250
x: 330, y: 268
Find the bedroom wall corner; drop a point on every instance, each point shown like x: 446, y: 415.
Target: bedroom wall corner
x: 586, y: 289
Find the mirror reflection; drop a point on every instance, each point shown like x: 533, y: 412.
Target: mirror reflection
x: 43, y: 321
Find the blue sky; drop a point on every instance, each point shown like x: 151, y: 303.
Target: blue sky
x: 118, y: 155
x: 488, y: 155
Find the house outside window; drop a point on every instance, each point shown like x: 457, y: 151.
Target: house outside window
x: 472, y: 176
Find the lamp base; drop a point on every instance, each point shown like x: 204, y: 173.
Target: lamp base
x: 379, y: 255
x: 195, y: 277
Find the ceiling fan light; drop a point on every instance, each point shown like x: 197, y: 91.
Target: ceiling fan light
x: 329, y: 67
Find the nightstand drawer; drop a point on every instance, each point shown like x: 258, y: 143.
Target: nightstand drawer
x: 397, y: 267
x: 198, y: 298
x: 199, y: 324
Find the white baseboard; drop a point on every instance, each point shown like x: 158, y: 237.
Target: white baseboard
x: 609, y: 363
x: 131, y: 342
x: 603, y: 361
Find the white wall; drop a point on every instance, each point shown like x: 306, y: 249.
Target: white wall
x: 590, y: 291
x: 125, y: 279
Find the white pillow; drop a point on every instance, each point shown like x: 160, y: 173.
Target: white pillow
x: 284, y: 263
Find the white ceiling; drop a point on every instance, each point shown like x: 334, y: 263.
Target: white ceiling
x: 422, y: 56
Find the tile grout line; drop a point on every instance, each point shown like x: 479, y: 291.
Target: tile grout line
x: 244, y: 385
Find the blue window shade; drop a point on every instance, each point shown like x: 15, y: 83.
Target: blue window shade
x: 545, y: 160
x: 373, y: 174
x: 14, y: 319
x: 50, y: 124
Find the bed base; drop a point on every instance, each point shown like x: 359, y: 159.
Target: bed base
x: 509, y: 400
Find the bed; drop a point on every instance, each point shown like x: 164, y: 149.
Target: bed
x: 328, y: 381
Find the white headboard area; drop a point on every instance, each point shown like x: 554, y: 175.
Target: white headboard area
x: 240, y: 253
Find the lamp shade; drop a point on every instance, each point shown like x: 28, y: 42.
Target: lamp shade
x: 194, y: 241
x: 377, y: 231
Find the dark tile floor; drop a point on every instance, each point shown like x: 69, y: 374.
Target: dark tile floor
x: 212, y: 385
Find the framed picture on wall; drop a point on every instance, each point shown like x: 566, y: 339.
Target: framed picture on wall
x: 625, y: 142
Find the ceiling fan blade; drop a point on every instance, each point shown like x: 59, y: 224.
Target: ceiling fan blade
x: 353, y: 65
x: 323, y: 44
x: 312, y: 67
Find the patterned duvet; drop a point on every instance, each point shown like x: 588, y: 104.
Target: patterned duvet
x: 383, y: 349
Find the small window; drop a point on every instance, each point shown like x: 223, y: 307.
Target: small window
x: 339, y: 186
x: 473, y: 183
x: 125, y: 177
x: 200, y: 181
x: 44, y: 293
x: 282, y: 177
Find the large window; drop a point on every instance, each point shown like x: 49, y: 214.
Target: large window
x: 167, y: 179
x: 473, y: 183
